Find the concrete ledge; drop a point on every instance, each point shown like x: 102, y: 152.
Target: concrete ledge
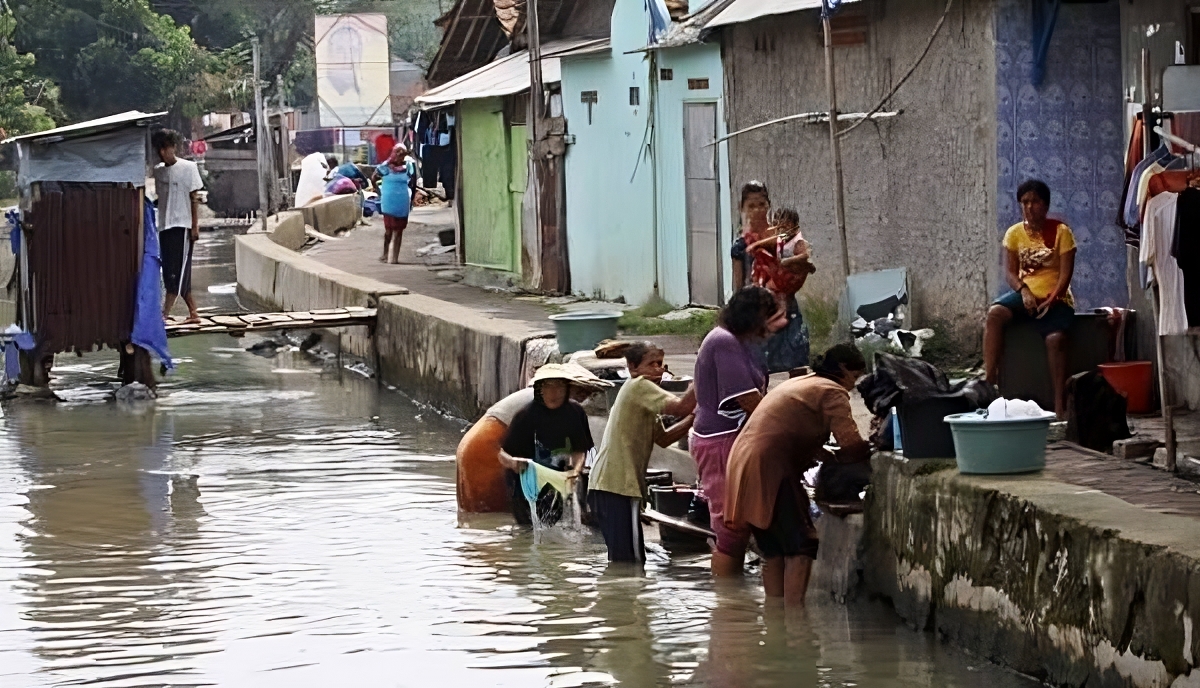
x: 439, y: 353
x: 333, y: 214
x: 285, y: 279
x: 1069, y: 585
x: 450, y: 355
x: 287, y: 229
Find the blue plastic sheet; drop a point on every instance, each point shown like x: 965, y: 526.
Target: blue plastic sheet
x: 660, y: 19
x: 149, y: 330
x: 14, y: 234
x: 12, y: 361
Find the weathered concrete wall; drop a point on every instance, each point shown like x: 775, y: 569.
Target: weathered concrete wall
x: 448, y: 355
x: 285, y: 228
x: 439, y: 353
x: 333, y: 214
x: 920, y: 188
x: 1069, y: 585
x: 285, y: 279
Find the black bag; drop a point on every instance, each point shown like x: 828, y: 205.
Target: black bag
x: 841, y: 483
x: 1095, y: 412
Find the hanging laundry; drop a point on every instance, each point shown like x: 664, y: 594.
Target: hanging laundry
x: 1161, y: 267
x: 1185, y: 248
x: 1130, y: 215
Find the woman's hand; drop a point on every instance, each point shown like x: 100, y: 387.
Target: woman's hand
x: 1027, y: 298
x: 512, y: 463
x: 1046, y: 305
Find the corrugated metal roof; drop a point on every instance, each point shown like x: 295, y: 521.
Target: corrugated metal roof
x: 504, y: 77
x: 748, y: 10
x: 131, y: 118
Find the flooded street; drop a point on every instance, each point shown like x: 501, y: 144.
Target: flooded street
x: 278, y: 522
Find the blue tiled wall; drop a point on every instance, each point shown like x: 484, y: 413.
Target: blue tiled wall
x: 1067, y: 132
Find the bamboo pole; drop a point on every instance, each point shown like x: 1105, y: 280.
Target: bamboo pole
x: 839, y: 202
x: 1168, y: 412
x: 260, y: 138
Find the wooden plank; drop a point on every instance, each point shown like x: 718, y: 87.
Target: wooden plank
x: 228, y: 320
x: 663, y: 519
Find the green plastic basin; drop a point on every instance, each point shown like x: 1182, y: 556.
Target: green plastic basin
x: 583, y: 330
x: 997, y: 447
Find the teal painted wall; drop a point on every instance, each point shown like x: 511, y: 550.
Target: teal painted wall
x: 491, y: 222
x: 609, y: 180
x: 691, y: 62
x: 622, y: 176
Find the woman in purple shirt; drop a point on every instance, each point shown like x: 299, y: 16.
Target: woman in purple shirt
x: 731, y: 379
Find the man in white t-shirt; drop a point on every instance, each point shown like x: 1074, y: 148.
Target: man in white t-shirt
x: 177, y: 182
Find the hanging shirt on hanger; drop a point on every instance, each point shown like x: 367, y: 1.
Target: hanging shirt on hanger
x: 1186, y: 249
x: 1158, y: 229
x: 1131, y: 213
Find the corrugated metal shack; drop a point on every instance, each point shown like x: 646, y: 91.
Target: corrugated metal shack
x: 81, y: 191
x: 232, y: 165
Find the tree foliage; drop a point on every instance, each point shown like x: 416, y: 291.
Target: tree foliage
x: 27, y: 103
x: 184, y: 56
x: 114, y: 55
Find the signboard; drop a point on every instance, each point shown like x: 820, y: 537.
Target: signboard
x: 353, y: 87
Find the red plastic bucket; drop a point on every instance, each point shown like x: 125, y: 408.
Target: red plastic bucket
x: 1133, y: 379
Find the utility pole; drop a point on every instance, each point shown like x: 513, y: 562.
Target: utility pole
x: 839, y: 201
x: 536, y: 108
x: 261, y: 138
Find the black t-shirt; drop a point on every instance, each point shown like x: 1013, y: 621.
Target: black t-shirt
x: 547, y: 436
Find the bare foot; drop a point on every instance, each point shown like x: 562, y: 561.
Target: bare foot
x: 383, y: 258
x: 192, y: 319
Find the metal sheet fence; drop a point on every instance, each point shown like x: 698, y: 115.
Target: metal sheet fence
x: 84, y: 250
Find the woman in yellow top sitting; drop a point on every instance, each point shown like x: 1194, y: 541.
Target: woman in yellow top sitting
x: 1039, y: 266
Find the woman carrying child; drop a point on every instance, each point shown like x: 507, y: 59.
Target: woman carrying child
x: 782, y: 264
x: 755, y: 205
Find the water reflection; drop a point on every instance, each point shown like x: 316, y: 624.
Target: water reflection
x: 264, y: 527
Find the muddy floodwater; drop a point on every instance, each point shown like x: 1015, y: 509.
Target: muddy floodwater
x: 283, y: 522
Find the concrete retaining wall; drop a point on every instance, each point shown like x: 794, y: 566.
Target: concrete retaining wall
x: 333, y: 214
x: 1066, y: 584
x: 439, y: 353
x: 287, y: 280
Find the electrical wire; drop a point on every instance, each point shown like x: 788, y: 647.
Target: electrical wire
x: 913, y: 68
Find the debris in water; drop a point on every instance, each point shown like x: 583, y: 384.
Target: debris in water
x: 362, y: 369
x: 135, y: 391
x: 267, y: 348
x: 310, y: 341
x: 230, y: 288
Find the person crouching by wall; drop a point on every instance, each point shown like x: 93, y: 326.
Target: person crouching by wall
x: 617, y: 485
x: 1039, y: 264
x: 783, y: 438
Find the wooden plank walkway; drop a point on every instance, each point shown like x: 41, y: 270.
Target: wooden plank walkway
x: 240, y: 323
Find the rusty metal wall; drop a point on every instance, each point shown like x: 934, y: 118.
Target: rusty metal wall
x: 85, y: 245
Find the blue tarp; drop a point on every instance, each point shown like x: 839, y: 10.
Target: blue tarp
x: 149, y: 330
x: 660, y: 19
x: 14, y: 234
